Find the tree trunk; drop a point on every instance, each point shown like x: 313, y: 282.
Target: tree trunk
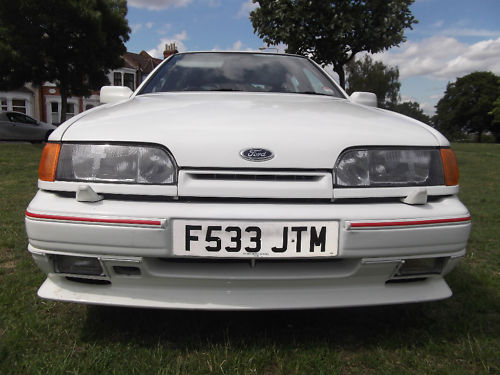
x: 339, y: 69
x: 495, y: 129
x: 64, y: 104
x: 480, y: 137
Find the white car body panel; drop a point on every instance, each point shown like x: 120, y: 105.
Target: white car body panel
x: 217, y: 126
x: 135, y: 231
x: 155, y: 241
x: 294, y: 293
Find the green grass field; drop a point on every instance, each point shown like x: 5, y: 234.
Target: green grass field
x: 460, y: 335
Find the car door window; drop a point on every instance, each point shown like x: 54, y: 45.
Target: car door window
x: 20, y: 118
x: 29, y: 120
x: 16, y: 117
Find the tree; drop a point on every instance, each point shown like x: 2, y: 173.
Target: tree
x: 374, y: 76
x: 467, y: 105
x: 73, y: 43
x: 412, y: 109
x: 495, y: 112
x: 333, y: 31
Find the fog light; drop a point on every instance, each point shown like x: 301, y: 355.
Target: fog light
x: 77, y: 265
x: 420, y: 266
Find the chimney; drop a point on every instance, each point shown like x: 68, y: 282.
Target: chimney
x: 170, y: 49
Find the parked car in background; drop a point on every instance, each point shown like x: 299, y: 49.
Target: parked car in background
x: 15, y: 126
x: 245, y: 181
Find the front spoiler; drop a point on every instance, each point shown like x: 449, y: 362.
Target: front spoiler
x: 60, y: 289
x: 237, y: 286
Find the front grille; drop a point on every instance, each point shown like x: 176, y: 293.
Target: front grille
x: 280, y: 184
x: 253, y: 177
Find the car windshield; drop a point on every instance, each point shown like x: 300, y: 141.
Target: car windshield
x: 240, y: 72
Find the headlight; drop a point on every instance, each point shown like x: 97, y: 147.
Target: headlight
x: 115, y: 163
x: 365, y: 167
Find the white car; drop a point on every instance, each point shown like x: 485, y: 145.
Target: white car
x: 245, y: 181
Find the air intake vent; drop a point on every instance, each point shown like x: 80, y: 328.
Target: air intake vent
x: 254, y: 177
x: 255, y: 184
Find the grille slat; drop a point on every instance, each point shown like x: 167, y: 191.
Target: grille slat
x: 253, y: 177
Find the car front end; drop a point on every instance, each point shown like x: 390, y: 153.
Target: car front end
x: 256, y: 199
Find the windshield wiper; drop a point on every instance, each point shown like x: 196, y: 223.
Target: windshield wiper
x: 311, y: 93
x: 224, y: 90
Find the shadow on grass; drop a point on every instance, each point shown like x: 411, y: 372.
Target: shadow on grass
x: 473, y: 310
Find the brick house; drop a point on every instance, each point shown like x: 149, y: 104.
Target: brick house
x: 44, y: 103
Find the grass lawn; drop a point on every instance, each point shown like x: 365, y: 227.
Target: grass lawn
x: 460, y: 335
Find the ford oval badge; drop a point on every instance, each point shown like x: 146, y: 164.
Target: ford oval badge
x: 256, y: 154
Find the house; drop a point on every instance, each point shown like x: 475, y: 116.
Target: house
x: 44, y: 102
x: 20, y: 100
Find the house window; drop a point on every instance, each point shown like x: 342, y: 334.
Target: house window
x: 128, y: 80
x: 54, y: 112
x: 19, y: 105
x: 3, y: 104
x: 70, y: 110
x: 117, y: 79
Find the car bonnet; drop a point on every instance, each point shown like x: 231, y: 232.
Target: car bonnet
x: 212, y: 129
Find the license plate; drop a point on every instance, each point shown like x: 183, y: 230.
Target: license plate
x: 248, y: 239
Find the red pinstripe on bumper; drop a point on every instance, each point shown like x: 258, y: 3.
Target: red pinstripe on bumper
x: 155, y: 223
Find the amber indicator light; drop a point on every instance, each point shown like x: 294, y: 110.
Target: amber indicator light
x: 450, y: 167
x: 48, y: 162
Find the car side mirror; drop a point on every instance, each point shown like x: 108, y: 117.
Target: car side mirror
x: 114, y: 94
x: 364, y: 98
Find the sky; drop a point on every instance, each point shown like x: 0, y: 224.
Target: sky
x: 452, y: 38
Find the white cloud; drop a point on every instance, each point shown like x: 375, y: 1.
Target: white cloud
x: 136, y: 27
x: 406, y: 98
x: 237, y: 45
x: 149, y: 25
x: 438, y: 24
x: 463, y: 32
x: 246, y: 8
x: 428, y: 108
x: 329, y: 70
x: 442, y: 57
x: 164, y: 29
x: 213, y: 3
x: 275, y: 48
x: 458, y: 29
x: 158, y: 4
x: 178, y: 39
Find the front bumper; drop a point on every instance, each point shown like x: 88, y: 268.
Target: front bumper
x: 121, y: 233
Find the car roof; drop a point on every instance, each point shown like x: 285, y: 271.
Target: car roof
x: 244, y: 52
